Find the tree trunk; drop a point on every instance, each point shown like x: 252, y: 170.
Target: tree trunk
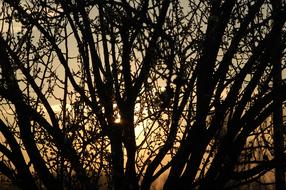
x: 279, y: 145
x: 131, y: 181
x: 276, y: 55
x: 117, y: 157
x: 278, y: 127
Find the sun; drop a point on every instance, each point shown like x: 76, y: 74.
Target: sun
x: 117, y: 119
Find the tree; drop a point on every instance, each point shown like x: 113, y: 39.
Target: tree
x: 119, y: 93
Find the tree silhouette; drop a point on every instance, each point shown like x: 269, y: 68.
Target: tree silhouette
x: 116, y: 94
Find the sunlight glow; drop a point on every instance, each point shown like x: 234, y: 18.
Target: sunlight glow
x: 118, y: 119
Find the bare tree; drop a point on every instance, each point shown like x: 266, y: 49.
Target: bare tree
x: 116, y: 94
